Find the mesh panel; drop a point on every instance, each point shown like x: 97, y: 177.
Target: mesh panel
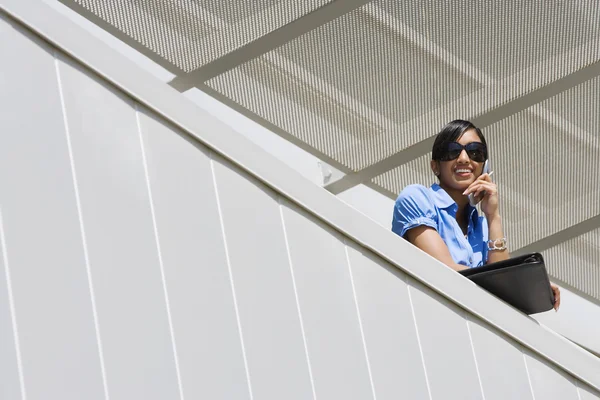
x: 393, y: 79
x: 234, y: 11
x: 416, y: 171
x: 576, y: 261
x: 403, y: 69
x: 578, y: 110
x: 500, y: 38
x: 169, y: 28
x: 539, y: 165
x: 191, y: 33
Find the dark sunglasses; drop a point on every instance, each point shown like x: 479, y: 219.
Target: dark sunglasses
x: 475, y: 150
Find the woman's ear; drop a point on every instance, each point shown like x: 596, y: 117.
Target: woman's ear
x: 435, y: 167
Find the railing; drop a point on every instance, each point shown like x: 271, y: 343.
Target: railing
x: 149, y: 252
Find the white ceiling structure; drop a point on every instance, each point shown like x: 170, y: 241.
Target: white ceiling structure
x: 365, y: 85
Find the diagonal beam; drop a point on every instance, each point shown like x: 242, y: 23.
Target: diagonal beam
x: 582, y: 136
x: 266, y: 43
x: 493, y: 114
x: 381, y: 190
x: 365, y: 175
x: 560, y: 237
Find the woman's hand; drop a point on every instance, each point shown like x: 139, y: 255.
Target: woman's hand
x: 490, y: 202
x: 556, y: 292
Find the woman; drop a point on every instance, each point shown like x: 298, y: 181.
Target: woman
x: 440, y: 221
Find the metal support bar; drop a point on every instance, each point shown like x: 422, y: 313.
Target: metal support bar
x: 560, y: 237
x: 266, y: 43
x: 365, y: 175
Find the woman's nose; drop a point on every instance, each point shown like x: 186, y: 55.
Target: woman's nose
x: 463, y: 156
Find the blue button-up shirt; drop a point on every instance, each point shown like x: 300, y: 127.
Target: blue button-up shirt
x: 417, y: 205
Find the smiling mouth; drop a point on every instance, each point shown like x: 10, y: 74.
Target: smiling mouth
x: 463, y: 171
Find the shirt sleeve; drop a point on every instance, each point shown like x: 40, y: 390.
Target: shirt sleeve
x: 414, y: 207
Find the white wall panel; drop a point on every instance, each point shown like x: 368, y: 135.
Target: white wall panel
x: 209, y: 349
x: 52, y: 299
x: 9, y: 366
x: 388, y: 326
x: 329, y: 312
x: 548, y: 382
x: 126, y: 271
x: 447, y: 350
x: 500, y: 362
x: 264, y: 288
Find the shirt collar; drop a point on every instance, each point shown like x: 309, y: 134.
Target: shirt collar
x: 443, y: 200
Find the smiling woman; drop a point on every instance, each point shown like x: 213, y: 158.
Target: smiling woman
x: 441, y: 220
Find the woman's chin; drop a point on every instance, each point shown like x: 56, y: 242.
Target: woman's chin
x: 464, y: 177
x: 464, y: 183
x: 456, y: 186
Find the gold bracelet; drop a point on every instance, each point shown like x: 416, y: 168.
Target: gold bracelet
x: 497, y: 244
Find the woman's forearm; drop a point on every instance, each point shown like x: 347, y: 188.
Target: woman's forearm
x: 495, y: 231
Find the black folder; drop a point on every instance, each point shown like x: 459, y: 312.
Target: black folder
x: 520, y: 281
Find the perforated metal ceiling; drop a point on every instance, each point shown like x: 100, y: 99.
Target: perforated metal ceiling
x: 576, y: 262
x: 191, y: 33
x: 360, y: 88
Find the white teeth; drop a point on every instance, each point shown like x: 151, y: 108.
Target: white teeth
x: 460, y: 171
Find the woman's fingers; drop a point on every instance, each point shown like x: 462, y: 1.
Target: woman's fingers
x: 556, y: 291
x: 479, y: 186
x: 474, y: 185
x: 471, y: 188
x: 485, y: 177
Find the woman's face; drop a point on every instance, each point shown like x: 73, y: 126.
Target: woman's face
x: 459, y: 173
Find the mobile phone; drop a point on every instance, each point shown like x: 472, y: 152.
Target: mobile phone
x: 486, y: 169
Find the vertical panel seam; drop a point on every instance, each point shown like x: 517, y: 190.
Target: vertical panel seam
x: 289, y: 254
x: 412, y: 309
x: 159, y: 251
x: 235, y: 302
x: 360, y: 325
x: 13, y: 315
x: 86, y: 257
x: 577, y: 387
x: 474, y: 356
x: 528, y: 375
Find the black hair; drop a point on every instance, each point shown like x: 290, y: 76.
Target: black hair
x: 451, y: 133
